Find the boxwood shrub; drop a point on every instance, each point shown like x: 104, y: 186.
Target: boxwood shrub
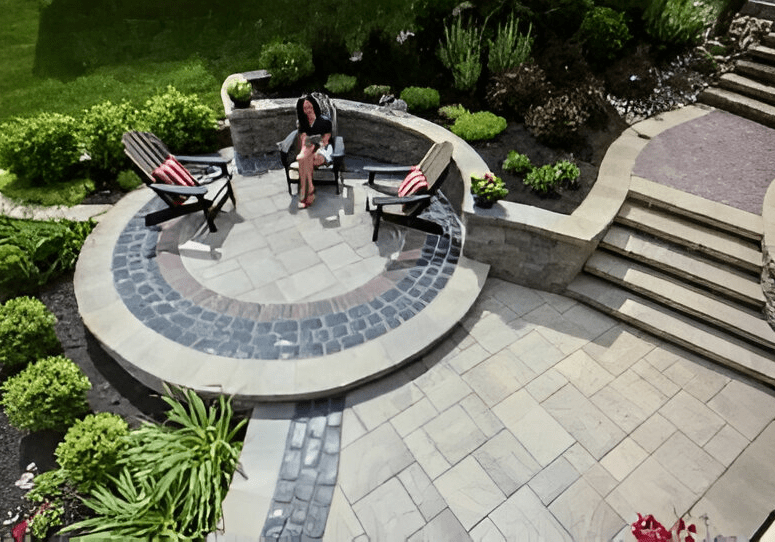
x: 479, y: 125
x: 339, y: 83
x: 26, y: 331
x: 48, y: 394
x: 420, y: 98
x: 90, y: 448
x: 44, y: 149
x: 102, y: 126
x: 182, y: 121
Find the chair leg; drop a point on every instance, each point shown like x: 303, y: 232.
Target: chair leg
x: 377, y: 220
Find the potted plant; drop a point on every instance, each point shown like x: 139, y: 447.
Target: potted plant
x: 240, y: 91
x: 487, y: 189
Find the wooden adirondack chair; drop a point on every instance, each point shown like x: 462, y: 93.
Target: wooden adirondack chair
x: 171, y: 178
x: 406, y: 209
x: 326, y: 174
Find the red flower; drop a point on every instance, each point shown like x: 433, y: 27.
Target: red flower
x: 19, y: 531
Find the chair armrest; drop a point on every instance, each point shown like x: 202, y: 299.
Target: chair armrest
x: 373, y: 170
x: 285, y: 145
x: 395, y: 200
x: 215, y: 161
x: 179, y: 190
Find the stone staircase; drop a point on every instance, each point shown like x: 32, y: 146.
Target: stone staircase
x: 748, y: 91
x: 687, y: 270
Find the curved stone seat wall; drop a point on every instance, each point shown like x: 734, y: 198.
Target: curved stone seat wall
x: 521, y: 243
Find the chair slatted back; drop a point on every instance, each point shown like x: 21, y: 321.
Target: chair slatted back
x: 435, y: 163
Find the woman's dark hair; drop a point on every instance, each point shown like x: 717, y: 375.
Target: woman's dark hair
x: 300, y: 110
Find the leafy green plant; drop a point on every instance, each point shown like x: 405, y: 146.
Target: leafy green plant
x: 452, y: 112
x: 45, y: 519
x: 517, y: 163
x: 50, y: 393
x: 102, y: 127
x: 488, y: 187
x: 239, y: 89
x: 376, y: 91
x: 479, y: 125
x: 461, y: 53
x: 33, y: 252
x: 567, y: 173
x: 26, y: 331
x: 603, y: 33
x: 510, y: 48
x: 173, y: 478
x: 339, y: 83
x: 90, y: 448
x: 44, y: 149
x: 676, y: 22
x: 542, y: 179
x: 420, y: 98
x: 287, y: 62
x: 181, y: 121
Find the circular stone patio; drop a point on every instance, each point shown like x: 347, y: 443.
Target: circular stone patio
x: 280, y: 303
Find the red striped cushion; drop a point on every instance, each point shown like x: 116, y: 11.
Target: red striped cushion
x: 414, y: 183
x: 173, y: 172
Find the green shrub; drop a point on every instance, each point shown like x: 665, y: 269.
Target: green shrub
x: 181, y: 121
x: 510, y: 48
x: 50, y: 393
x: 128, y: 180
x: 339, y: 83
x: 676, y: 22
x: 102, y: 126
x: 49, y: 486
x: 542, y: 179
x: 46, y: 249
x: 420, y: 98
x: 90, y: 448
x: 26, y: 331
x: 44, y: 149
x: 287, y: 62
x: 517, y: 163
x: 567, y: 173
x: 452, y: 112
x: 480, y: 125
x: 489, y: 187
x: 376, y: 91
x: 516, y: 90
x: 461, y: 53
x: 173, y: 478
x: 603, y: 33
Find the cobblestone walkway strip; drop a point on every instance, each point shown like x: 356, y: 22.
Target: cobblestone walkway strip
x: 305, y: 486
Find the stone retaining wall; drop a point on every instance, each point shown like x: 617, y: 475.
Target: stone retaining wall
x: 522, y: 244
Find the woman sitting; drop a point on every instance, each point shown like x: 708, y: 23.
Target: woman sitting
x: 314, y: 142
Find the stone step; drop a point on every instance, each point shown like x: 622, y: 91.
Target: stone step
x: 711, y: 213
x: 761, y: 9
x: 738, y: 104
x: 718, y: 245
x: 703, y: 306
x: 739, y: 287
x: 756, y: 70
x: 769, y: 39
x: 674, y: 327
x: 762, y: 53
x: 740, y: 84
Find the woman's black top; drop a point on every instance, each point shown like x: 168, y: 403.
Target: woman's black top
x: 321, y: 126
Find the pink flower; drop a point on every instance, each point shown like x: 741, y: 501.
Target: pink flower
x: 19, y: 531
